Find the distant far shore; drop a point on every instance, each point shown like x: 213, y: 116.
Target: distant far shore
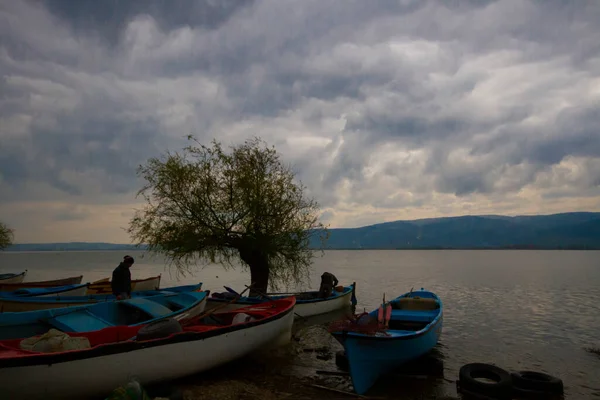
x: 67, y: 247
x: 566, y: 231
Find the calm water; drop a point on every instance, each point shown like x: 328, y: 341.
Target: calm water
x: 518, y: 309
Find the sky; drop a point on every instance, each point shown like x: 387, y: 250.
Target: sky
x: 388, y: 110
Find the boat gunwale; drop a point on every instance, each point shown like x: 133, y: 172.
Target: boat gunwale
x: 12, y: 276
x: 29, y: 360
x: 347, y: 291
x: 87, y: 299
x: 43, y: 284
x: 431, y: 325
x: 107, y: 281
x: 22, y: 296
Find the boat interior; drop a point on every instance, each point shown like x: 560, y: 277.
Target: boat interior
x: 413, y: 312
x: 127, y: 312
x: 116, y: 334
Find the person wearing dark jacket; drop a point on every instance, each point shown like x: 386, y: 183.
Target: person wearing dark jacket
x: 328, y: 282
x: 121, y: 279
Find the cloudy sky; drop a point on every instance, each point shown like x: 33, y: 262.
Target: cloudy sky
x: 388, y: 109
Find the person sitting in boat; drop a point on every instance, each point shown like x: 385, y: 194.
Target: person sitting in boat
x: 328, y: 282
x: 121, y: 279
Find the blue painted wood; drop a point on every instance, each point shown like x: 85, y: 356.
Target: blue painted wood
x: 33, y: 296
x: 29, y: 292
x: 91, y: 317
x: 370, y: 356
x: 148, y: 306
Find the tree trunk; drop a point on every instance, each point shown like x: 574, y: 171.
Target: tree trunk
x: 259, y: 270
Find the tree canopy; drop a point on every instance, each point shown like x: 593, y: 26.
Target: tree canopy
x: 6, y: 236
x: 206, y: 204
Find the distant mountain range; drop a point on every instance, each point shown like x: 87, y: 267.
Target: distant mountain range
x: 579, y: 230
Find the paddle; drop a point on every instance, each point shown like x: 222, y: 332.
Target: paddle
x: 270, y: 299
x: 212, y: 311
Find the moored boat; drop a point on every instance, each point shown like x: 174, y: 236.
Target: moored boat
x: 103, y: 286
x: 307, y: 303
x: 43, y: 292
x: 130, y: 312
x: 406, y: 328
x: 115, y: 354
x: 11, y: 287
x: 59, y: 300
x: 12, y: 278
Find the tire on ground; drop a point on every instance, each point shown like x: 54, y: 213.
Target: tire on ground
x: 536, y: 383
x: 497, y: 386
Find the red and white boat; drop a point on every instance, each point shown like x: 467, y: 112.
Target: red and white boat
x: 115, y: 356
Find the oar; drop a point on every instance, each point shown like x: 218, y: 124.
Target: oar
x: 212, y: 311
x: 270, y: 299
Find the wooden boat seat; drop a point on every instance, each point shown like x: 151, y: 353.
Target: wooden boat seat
x: 414, y: 315
x: 149, y: 307
x: 177, y: 302
x: 415, y: 303
x: 78, y: 322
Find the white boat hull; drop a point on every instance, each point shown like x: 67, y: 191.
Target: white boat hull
x: 98, y: 376
x: 15, y: 279
x: 301, y: 309
x: 80, y: 291
x: 150, y: 284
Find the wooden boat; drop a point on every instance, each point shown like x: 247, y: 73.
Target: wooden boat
x: 42, y: 292
x: 91, y: 317
x: 414, y: 325
x: 11, y: 287
x: 12, y: 278
x: 33, y: 303
x: 307, y: 303
x: 103, y: 286
x: 115, y: 355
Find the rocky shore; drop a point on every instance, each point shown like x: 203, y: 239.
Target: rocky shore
x: 306, y: 369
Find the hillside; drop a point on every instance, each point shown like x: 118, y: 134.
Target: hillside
x: 558, y: 231
x: 568, y: 230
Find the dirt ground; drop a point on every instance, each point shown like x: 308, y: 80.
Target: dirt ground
x: 295, y: 371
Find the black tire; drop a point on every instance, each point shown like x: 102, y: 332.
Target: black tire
x: 537, y: 382
x: 499, y: 388
x: 159, y: 329
x: 341, y: 360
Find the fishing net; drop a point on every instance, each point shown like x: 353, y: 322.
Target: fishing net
x: 54, y: 341
x: 360, y: 323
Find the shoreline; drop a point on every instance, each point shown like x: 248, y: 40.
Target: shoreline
x: 295, y: 371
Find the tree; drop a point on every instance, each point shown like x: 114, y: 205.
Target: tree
x: 6, y: 236
x: 210, y: 205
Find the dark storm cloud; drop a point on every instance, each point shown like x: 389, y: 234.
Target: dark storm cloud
x: 109, y: 18
x: 473, y: 96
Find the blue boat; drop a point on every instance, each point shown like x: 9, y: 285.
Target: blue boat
x: 57, y: 300
x: 131, y: 312
x: 67, y: 290
x: 372, y: 348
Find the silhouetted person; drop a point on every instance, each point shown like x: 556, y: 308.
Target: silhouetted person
x: 328, y: 282
x: 121, y: 279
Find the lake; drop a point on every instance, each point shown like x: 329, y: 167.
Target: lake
x: 520, y: 310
